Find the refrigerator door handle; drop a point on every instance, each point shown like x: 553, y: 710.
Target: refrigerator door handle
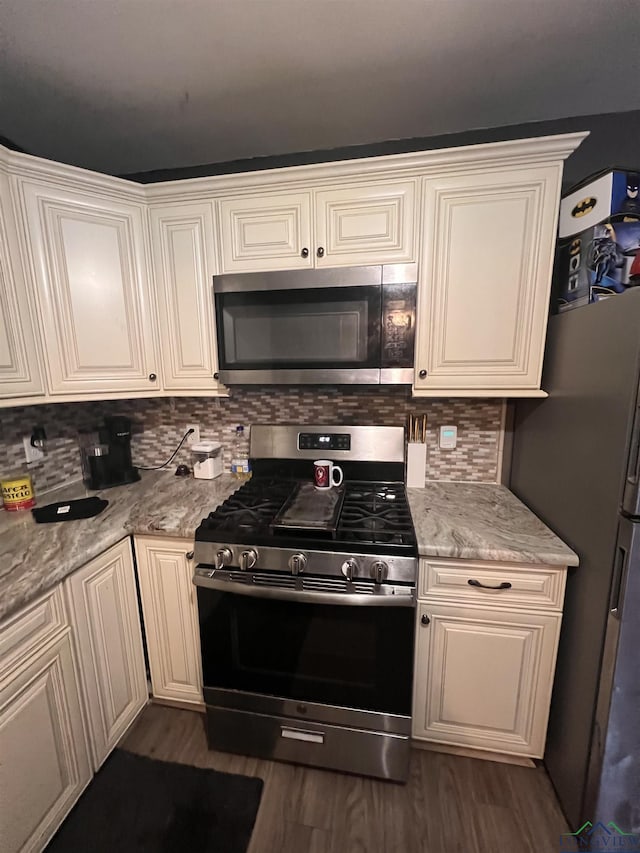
x: 620, y: 569
x: 633, y: 471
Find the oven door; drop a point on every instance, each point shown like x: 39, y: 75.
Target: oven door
x: 300, y: 326
x: 349, y: 656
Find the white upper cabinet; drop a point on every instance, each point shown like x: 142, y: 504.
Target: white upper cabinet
x: 20, y: 374
x: 106, y: 285
x: 88, y: 251
x: 368, y: 223
x: 184, y: 264
x: 485, y: 277
x: 266, y: 232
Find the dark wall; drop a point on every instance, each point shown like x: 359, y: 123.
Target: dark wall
x: 614, y: 141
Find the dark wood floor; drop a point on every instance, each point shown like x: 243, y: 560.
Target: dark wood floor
x: 450, y: 804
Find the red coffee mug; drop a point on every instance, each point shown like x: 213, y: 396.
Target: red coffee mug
x: 323, y: 474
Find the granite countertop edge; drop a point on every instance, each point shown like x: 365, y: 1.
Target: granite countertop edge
x: 451, y: 520
x: 483, y: 521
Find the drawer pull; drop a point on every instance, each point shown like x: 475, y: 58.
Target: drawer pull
x: 503, y: 585
x: 301, y: 734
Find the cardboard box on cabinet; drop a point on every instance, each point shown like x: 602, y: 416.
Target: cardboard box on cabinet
x: 598, y: 251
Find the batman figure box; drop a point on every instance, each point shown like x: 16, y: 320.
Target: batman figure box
x: 598, y: 252
x: 613, y: 195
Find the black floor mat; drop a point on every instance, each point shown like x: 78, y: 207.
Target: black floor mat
x: 137, y: 804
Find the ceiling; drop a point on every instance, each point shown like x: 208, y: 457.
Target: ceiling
x: 132, y: 85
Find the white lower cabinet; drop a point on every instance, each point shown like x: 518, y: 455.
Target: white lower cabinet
x: 484, y: 669
x: 170, y: 611
x: 44, y: 756
x: 103, y: 602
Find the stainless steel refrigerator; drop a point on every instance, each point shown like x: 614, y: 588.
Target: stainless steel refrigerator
x: 576, y: 464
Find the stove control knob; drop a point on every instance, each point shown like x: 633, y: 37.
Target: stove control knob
x: 297, y: 562
x: 223, y: 558
x: 379, y: 570
x: 349, y: 568
x: 248, y: 559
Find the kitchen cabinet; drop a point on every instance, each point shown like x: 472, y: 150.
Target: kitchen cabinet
x: 347, y: 225
x: 103, y: 603
x: 484, y: 281
x: 184, y: 264
x: 485, y: 654
x: 170, y: 613
x: 20, y: 374
x: 45, y: 758
x: 88, y: 256
x: 106, y: 284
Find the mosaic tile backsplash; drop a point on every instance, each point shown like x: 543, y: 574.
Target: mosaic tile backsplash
x: 160, y: 423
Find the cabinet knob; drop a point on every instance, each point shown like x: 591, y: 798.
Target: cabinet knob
x: 216, y: 375
x: 305, y: 253
x: 189, y: 555
x: 422, y: 374
x: 425, y: 619
x: 320, y: 252
x: 152, y: 377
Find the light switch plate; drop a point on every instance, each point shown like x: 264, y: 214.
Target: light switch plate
x: 448, y: 437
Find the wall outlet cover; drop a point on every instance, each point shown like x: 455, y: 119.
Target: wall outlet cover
x: 31, y: 453
x: 194, y: 438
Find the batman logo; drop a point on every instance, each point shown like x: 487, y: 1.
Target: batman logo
x: 575, y: 246
x: 583, y: 207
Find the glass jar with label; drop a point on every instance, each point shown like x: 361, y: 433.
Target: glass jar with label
x: 240, y: 465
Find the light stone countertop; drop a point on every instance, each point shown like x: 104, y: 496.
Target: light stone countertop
x: 459, y: 520
x: 480, y: 521
x: 35, y: 557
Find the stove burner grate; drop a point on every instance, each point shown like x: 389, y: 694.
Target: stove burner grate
x: 374, y: 513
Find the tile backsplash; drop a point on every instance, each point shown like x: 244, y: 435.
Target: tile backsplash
x: 160, y: 423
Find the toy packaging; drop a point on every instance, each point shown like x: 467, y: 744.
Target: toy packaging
x: 598, y: 252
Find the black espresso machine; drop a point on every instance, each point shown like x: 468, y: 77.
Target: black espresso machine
x: 106, y: 454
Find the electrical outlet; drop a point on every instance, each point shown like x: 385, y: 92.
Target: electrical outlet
x: 194, y: 438
x: 31, y: 453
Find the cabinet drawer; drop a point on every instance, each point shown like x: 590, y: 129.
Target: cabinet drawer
x: 529, y: 586
x: 31, y: 627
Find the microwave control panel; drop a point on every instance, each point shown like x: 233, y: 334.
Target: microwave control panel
x: 320, y: 441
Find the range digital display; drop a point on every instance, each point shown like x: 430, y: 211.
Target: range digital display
x: 322, y: 441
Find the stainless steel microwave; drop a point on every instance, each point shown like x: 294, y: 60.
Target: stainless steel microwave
x: 350, y: 325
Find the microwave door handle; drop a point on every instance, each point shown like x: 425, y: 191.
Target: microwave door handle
x: 306, y: 596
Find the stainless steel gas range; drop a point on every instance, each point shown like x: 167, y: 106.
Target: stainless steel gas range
x: 306, y: 603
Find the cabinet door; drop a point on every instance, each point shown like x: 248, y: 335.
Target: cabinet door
x: 485, y: 277
x: 104, y: 607
x: 483, y: 677
x: 266, y: 232
x: 183, y: 260
x: 170, y: 611
x: 20, y: 374
x: 90, y: 268
x: 45, y: 760
x: 370, y: 224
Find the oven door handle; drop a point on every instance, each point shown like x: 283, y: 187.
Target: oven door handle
x: 405, y: 599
